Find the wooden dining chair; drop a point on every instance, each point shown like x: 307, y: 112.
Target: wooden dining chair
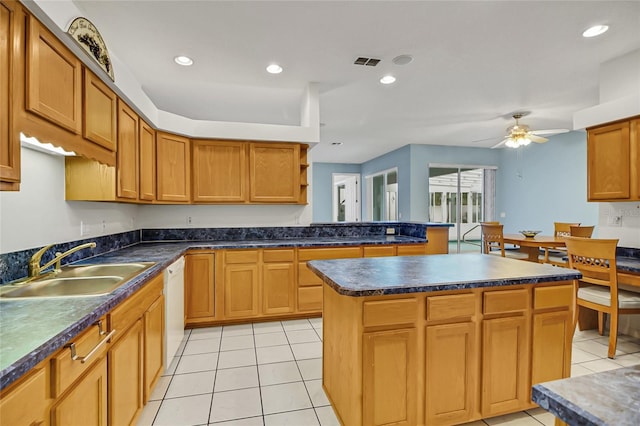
x: 492, y: 237
x: 581, y: 231
x: 557, y: 256
x: 598, y: 287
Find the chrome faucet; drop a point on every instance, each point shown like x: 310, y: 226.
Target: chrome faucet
x: 34, y: 263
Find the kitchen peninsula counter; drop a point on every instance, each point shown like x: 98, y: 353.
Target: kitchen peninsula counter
x: 440, y: 340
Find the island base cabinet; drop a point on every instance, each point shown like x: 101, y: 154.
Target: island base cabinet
x: 550, y: 351
x: 86, y: 402
x: 451, y: 371
x: 389, y: 377
x: 505, y: 365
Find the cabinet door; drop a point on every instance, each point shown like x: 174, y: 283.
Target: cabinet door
x: 153, y: 345
x: 219, y: 171
x: 241, y: 291
x: 551, y: 347
x: 278, y: 288
x: 54, y: 79
x: 33, y: 388
x: 274, y: 171
x: 99, y: 112
x: 608, y: 162
x: 127, y: 155
x: 173, y: 169
x: 451, y: 371
x: 86, y: 401
x: 389, y: 377
x: 505, y: 361
x: 635, y: 159
x: 9, y: 140
x: 126, y: 376
x: 199, y: 287
x: 147, y: 166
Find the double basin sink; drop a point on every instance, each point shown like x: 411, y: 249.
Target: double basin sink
x: 84, y: 280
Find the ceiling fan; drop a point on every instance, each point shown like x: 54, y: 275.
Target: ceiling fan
x: 520, y: 135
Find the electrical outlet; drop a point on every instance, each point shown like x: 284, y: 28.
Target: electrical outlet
x: 104, y: 225
x: 503, y: 214
x: 615, y: 220
x: 189, y: 220
x: 85, y: 229
x: 391, y: 231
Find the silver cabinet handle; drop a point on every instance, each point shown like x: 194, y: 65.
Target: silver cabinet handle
x: 83, y: 359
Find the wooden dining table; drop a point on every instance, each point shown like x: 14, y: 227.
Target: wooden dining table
x: 532, y: 245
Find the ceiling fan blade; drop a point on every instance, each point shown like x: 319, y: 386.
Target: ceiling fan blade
x: 500, y: 144
x: 549, y: 132
x: 485, y: 139
x: 537, y: 139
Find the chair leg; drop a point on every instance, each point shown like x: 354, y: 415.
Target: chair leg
x: 613, y: 334
x: 600, y: 323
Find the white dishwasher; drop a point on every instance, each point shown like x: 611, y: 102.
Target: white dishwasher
x: 174, y: 309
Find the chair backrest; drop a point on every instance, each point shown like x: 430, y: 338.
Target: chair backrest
x: 581, y: 231
x: 563, y: 229
x: 595, y: 259
x: 492, y: 237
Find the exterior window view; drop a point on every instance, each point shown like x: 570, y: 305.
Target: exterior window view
x: 319, y: 213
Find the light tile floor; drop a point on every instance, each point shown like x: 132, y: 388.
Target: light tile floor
x: 270, y: 374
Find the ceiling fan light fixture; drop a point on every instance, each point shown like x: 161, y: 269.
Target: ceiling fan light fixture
x: 595, y: 31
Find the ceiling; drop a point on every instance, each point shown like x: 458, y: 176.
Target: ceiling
x: 474, y: 64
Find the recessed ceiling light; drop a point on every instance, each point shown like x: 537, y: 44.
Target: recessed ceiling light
x: 594, y: 31
x: 402, y: 59
x: 387, y: 79
x: 185, y: 61
x: 274, y: 69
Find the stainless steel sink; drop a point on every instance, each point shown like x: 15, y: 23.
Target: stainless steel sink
x: 109, y: 269
x: 84, y: 280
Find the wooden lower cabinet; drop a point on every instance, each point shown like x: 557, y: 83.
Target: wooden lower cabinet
x: 153, y: 346
x: 86, y: 402
x: 126, y: 376
x: 443, y: 358
x: 32, y: 388
x: 278, y: 289
x: 451, y: 366
x: 241, y: 291
x: 199, y: 281
x: 389, y: 377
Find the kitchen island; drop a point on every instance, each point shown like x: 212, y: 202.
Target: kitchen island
x: 441, y: 339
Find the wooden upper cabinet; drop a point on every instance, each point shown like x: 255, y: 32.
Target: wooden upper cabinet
x: 609, y: 164
x: 99, y: 112
x: 53, y: 80
x: 635, y: 158
x: 9, y: 140
x: 219, y: 171
x: 127, y: 154
x: 173, y: 168
x: 274, y: 170
x: 147, y: 166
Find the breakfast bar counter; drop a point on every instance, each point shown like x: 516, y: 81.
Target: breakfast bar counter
x: 441, y: 340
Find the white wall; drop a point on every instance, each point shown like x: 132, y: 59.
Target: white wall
x: 628, y: 228
x: 38, y: 214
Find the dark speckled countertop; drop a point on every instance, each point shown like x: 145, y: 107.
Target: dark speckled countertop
x: 414, y: 274
x: 32, y: 329
x: 607, y: 398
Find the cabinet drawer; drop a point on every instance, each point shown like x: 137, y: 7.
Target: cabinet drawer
x: 135, y: 306
x: 553, y: 297
x: 241, y: 256
x: 378, y: 251
x: 285, y: 255
x: 412, y: 250
x: 389, y: 312
x: 26, y: 402
x: 310, y: 299
x: 65, y: 370
x: 454, y: 306
x: 328, y: 253
x: 504, y: 301
x: 306, y: 277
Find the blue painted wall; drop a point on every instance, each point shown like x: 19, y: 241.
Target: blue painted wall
x: 322, y: 192
x: 544, y: 183
x: 535, y: 185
